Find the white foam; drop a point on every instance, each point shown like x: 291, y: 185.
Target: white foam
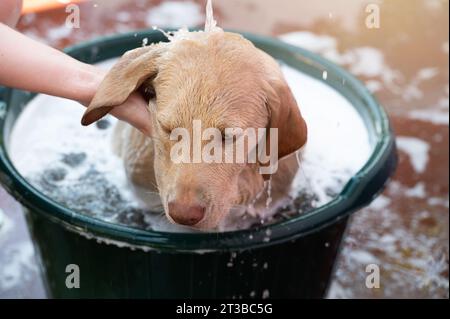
x: 380, y: 203
x: 310, y: 41
x: 363, y: 257
x: 418, y: 191
x: 417, y: 150
x: 338, y: 143
x: 6, y: 224
x: 438, y: 117
x: 365, y: 62
x: 19, y: 265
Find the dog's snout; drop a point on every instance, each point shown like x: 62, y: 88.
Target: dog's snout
x: 188, y: 215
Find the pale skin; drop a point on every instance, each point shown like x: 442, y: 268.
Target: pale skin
x: 32, y: 66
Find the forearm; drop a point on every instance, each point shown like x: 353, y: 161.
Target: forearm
x: 29, y: 65
x: 32, y: 66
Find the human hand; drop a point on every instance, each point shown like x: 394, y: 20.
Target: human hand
x: 134, y: 110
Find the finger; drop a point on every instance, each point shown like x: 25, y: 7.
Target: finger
x: 135, y: 112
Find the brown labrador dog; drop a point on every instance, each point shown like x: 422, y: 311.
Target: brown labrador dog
x: 223, y: 80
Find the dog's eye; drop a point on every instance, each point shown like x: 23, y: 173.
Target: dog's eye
x: 147, y: 92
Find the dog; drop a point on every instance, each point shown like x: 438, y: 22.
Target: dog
x: 223, y: 80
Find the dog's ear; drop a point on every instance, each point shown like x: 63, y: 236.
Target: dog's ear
x: 131, y: 71
x: 286, y: 117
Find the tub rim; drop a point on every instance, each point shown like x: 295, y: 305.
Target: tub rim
x: 361, y: 189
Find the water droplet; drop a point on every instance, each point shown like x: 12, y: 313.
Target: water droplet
x: 269, y: 192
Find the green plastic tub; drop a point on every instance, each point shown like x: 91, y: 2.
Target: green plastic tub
x: 123, y: 262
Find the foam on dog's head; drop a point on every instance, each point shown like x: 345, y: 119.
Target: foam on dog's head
x: 184, y: 33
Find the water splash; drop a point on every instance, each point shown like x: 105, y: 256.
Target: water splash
x: 210, y: 24
x: 184, y: 33
x: 269, y: 192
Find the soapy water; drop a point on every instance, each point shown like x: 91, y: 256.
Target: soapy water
x: 76, y: 167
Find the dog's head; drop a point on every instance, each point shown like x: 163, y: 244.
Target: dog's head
x: 216, y: 80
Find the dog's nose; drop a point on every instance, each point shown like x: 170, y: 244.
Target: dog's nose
x: 188, y: 215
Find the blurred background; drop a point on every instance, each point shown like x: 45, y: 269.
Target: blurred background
x: 403, y: 60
